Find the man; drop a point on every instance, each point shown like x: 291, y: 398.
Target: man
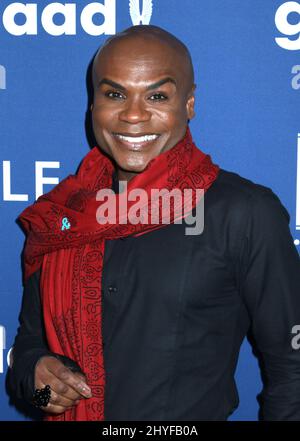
x: 176, y: 307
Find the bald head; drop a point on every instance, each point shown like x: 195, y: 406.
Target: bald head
x: 143, y: 87
x: 148, y: 37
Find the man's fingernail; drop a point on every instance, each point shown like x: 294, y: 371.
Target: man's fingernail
x: 84, y: 386
x: 85, y: 389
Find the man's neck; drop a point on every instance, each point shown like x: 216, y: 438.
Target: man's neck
x: 124, y: 175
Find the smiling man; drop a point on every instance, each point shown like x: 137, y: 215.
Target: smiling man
x: 144, y: 322
x: 141, y: 109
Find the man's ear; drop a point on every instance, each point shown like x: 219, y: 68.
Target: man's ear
x: 190, y: 104
x: 92, y: 106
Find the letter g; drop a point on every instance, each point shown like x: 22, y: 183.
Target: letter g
x: 282, y: 24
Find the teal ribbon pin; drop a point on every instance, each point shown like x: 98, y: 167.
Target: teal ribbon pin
x: 65, y: 224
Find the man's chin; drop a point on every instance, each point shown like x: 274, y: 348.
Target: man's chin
x: 126, y: 171
x: 132, y: 169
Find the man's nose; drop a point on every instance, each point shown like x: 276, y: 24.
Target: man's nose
x: 134, y: 112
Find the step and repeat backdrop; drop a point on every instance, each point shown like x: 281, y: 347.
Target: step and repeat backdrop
x: 247, y: 65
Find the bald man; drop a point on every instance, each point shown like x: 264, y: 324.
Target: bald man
x: 176, y: 307
x: 138, y: 57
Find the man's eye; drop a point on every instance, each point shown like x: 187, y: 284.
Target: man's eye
x: 113, y: 95
x: 158, y: 97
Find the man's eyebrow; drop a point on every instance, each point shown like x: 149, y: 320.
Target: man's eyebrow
x: 151, y: 87
x: 161, y: 82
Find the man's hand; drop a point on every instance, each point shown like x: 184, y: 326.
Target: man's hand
x: 67, y: 387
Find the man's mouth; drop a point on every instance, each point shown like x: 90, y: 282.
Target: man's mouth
x: 138, y: 141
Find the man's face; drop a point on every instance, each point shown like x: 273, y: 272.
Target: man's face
x: 141, y: 103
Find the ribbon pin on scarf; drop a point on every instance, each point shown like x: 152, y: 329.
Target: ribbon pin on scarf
x: 65, y: 224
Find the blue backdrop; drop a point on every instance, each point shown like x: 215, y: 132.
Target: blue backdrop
x: 247, y: 66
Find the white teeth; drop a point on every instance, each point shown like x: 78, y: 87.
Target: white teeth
x: 135, y: 139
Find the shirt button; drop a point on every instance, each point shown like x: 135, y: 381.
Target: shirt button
x: 112, y: 289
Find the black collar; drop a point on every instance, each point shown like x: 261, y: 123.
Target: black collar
x: 115, y: 182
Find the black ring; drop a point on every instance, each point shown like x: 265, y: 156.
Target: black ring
x: 41, y: 397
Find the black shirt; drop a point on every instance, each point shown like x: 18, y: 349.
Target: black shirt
x: 176, y: 309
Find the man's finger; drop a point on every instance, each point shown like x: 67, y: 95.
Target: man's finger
x: 67, y: 377
x: 60, y: 388
x: 57, y: 404
x: 52, y: 408
x: 60, y: 400
x: 57, y: 398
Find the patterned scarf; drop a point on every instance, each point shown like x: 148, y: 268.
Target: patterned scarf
x: 66, y: 240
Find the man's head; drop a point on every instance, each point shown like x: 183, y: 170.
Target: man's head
x: 143, y: 85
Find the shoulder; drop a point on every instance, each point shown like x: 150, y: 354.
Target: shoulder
x: 238, y: 189
x: 239, y: 200
x: 234, y: 186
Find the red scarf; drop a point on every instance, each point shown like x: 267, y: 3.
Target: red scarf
x: 66, y: 241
